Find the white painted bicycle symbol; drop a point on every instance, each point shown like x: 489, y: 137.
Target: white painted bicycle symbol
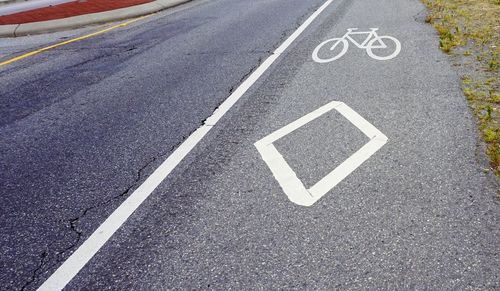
x: 373, y: 41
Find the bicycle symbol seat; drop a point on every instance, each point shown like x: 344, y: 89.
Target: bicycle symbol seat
x: 372, y: 41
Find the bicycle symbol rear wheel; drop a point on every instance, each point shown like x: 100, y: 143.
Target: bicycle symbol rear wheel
x: 335, y: 42
x: 383, y: 39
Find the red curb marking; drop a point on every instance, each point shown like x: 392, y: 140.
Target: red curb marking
x: 67, y: 10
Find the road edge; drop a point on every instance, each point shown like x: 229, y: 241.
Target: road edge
x: 14, y: 30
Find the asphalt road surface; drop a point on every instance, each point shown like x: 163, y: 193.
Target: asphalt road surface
x: 84, y: 125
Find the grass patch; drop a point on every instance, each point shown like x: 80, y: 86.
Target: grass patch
x: 469, y: 31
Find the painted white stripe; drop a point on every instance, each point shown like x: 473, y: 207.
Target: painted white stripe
x: 298, y: 123
x: 68, y: 270
x: 286, y: 177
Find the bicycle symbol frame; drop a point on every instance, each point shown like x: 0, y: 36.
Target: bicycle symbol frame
x: 372, y: 41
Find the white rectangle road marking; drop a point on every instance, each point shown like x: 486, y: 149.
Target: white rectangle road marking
x: 68, y: 270
x: 286, y: 177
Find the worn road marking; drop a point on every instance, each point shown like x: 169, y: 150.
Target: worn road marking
x: 65, y: 273
x: 286, y: 177
x: 71, y: 41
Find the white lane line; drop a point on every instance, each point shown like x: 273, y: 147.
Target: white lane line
x: 68, y: 270
x: 286, y: 177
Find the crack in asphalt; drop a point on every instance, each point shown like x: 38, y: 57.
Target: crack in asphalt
x: 73, y: 222
x: 34, y: 275
x: 242, y: 79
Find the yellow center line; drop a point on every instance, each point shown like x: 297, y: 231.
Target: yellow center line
x: 70, y: 41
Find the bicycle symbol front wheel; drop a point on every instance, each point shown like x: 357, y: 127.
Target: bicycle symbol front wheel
x: 334, y: 42
x: 383, y: 40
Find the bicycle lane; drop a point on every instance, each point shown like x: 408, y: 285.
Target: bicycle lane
x: 418, y: 213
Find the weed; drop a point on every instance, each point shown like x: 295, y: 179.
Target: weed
x: 489, y: 134
x: 493, y: 64
x: 495, y: 97
x: 489, y: 110
x: 472, y: 25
